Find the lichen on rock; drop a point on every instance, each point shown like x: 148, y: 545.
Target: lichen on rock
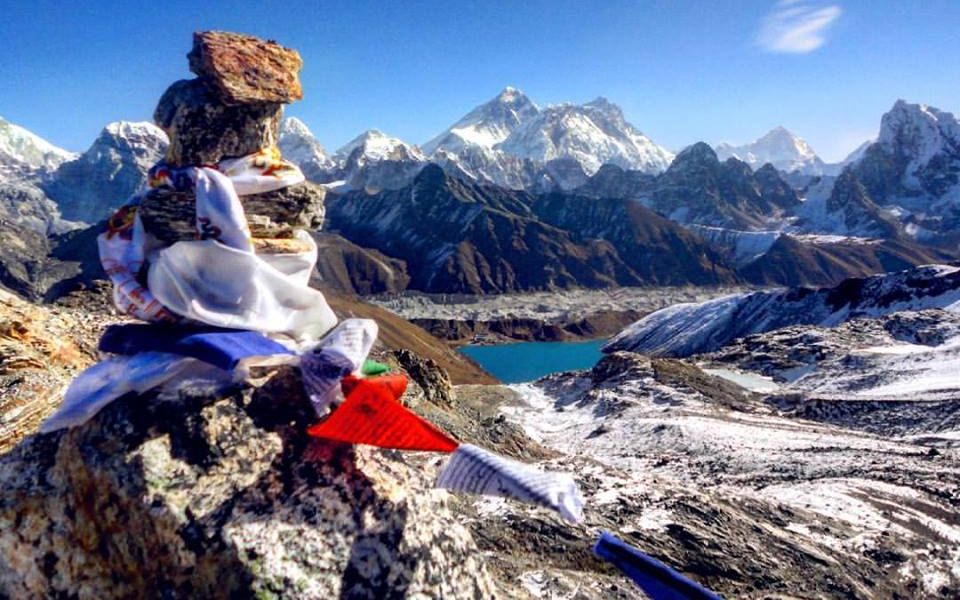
x: 216, y: 496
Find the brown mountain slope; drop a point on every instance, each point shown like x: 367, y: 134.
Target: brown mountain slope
x: 794, y: 262
x: 457, y: 237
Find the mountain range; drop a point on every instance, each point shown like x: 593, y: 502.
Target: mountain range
x: 525, y: 198
x: 458, y: 236
x: 507, y: 141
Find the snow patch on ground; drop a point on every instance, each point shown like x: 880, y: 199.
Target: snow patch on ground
x: 751, y: 381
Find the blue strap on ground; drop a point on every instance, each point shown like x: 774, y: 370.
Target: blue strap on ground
x: 223, y: 348
x: 656, y: 579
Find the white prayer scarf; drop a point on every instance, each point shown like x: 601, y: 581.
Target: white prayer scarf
x: 217, y: 280
x: 337, y: 355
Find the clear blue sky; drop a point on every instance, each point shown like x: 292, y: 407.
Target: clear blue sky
x: 682, y: 71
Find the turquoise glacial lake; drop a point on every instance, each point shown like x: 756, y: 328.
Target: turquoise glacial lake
x: 526, y: 361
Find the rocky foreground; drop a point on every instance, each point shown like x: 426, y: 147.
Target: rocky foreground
x: 776, y: 466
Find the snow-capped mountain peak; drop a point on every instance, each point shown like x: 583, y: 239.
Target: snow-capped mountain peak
x: 510, y: 124
x: 511, y: 95
x: 374, y: 145
x: 605, y: 106
x: 592, y: 134
x: 779, y: 147
x: 293, y: 126
x: 109, y: 172
x: 298, y: 145
x: 920, y: 132
x: 486, y: 125
x: 133, y: 135
x: 23, y: 152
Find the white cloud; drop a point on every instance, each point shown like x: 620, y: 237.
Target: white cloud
x: 797, y: 26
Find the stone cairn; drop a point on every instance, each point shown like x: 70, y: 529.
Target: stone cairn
x: 231, y: 109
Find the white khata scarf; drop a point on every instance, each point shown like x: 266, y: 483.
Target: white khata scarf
x: 217, y: 279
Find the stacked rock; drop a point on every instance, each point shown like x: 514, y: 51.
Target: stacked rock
x: 232, y: 109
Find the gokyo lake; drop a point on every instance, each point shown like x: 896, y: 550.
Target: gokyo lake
x: 527, y: 361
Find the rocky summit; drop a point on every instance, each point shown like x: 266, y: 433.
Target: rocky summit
x: 225, y: 497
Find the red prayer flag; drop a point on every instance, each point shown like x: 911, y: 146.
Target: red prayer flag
x: 396, y: 384
x: 372, y: 415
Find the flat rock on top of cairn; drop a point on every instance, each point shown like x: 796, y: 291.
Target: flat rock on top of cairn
x: 245, y: 69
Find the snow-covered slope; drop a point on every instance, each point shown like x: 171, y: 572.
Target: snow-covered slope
x: 593, y: 134
x: 903, y: 356
x: 109, y: 172
x: 24, y: 154
x: 740, y: 246
x: 686, y: 329
x: 668, y: 450
x: 486, y: 125
x: 779, y: 147
x: 298, y: 145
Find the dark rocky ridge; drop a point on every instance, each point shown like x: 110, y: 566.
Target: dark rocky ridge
x: 506, y: 240
x: 611, y: 181
x: 588, y: 326
x: 654, y: 249
x: 698, y: 188
x: 352, y: 269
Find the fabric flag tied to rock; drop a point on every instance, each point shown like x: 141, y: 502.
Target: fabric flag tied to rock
x: 656, y: 579
x: 478, y: 471
x: 174, y: 356
x: 372, y: 414
x: 336, y: 356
